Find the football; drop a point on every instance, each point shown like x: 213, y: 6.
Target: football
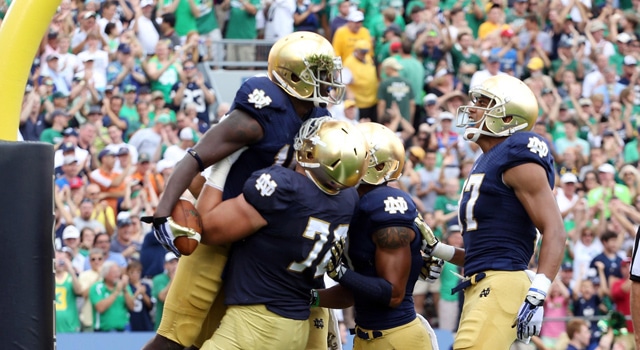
x: 184, y: 213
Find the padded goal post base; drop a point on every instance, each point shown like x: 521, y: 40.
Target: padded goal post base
x: 26, y: 237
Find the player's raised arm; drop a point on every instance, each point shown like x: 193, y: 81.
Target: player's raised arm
x: 233, y: 133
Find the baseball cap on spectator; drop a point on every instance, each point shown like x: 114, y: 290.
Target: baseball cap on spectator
x: 88, y: 58
x: 124, y: 48
x: 29, y: 87
x: 58, y: 94
x: 417, y: 152
x: 607, y: 168
x: 393, y: 28
x: 105, y: 152
x: 163, y: 119
x: 89, y: 15
x: 95, y: 110
x: 362, y: 45
x: 109, y: 88
x: 507, y: 33
x: 493, y: 58
x: 355, y: 16
x: 122, y: 151
x: 124, y: 219
x: 59, y: 113
x: 142, y: 90
x: 164, y: 164
x: 70, y: 159
x: 188, y: 134
x: 432, y: 33
x: 453, y: 228
x: 430, y: 99
x: 75, y: 183
x: 626, y: 261
x: 52, y: 34
x: 349, y: 103
x: 446, y: 115
x: 395, y: 46
x: 565, y: 42
x: 630, y: 60
x: 70, y: 232
x: 585, y: 102
x: 564, y: 106
x: 157, y: 94
x: 69, y: 132
x: 53, y: 56
x: 568, y: 178
x: 170, y: 256
x: 130, y: 88
x: 535, y: 63
x: 144, y: 158
x: 67, y: 147
x: 546, y: 91
x: 623, y: 38
x: 567, y: 266
x: 596, y: 26
x: 392, y: 63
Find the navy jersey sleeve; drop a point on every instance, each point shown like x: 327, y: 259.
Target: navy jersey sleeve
x: 389, y: 207
x: 269, y: 190
x: 260, y: 98
x: 528, y: 147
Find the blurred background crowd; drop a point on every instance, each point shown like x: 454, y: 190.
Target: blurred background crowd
x: 120, y: 88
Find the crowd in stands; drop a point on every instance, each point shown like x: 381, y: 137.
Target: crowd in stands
x: 115, y: 87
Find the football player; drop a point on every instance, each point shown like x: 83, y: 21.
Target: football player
x: 282, y: 227
x: 507, y: 195
x: 267, y: 112
x: 383, y: 255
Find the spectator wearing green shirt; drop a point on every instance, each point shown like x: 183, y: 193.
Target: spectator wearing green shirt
x: 567, y: 61
x: 608, y: 189
x: 395, y: 89
x: 242, y: 25
x: 186, y: 12
x: 446, y: 207
x: 112, y: 299
x: 448, y: 308
x: 67, y: 288
x: 161, y: 284
x: 59, y: 121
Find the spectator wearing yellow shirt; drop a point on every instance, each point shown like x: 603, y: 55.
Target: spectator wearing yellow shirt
x: 495, y: 21
x: 363, y: 81
x: 345, y: 38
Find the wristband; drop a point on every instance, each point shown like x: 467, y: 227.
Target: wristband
x: 315, y: 298
x: 443, y: 251
x: 540, y: 284
x: 195, y: 156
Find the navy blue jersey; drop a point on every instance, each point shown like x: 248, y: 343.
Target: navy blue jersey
x: 277, y: 265
x: 271, y: 107
x: 498, y: 233
x: 381, y: 208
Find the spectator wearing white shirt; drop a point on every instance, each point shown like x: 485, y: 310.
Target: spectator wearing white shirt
x: 492, y: 68
x: 592, y: 79
x: 143, y: 26
x: 175, y: 153
x: 278, y: 18
x: 597, y: 40
x: 67, y: 61
x: 109, y: 16
x: 80, y: 36
x: 100, y: 59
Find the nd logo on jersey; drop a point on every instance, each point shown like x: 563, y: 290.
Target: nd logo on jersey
x: 395, y: 205
x: 265, y: 185
x: 538, y: 146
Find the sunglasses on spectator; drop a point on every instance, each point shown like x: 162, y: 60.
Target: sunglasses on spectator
x: 96, y: 259
x: 189, y: 67
x: 102, y: 241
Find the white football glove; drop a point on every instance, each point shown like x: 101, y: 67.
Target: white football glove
x: 529, y: 318
x: 431, y: 268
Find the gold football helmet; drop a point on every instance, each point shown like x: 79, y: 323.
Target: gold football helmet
x: 306, y: 67
x: 386, y: 159
x: 333, y: 153
x: 512, y: 107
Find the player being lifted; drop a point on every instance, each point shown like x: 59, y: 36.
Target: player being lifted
x: 383, y: 255
x: 267, y: 112
x: 507, y: 195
